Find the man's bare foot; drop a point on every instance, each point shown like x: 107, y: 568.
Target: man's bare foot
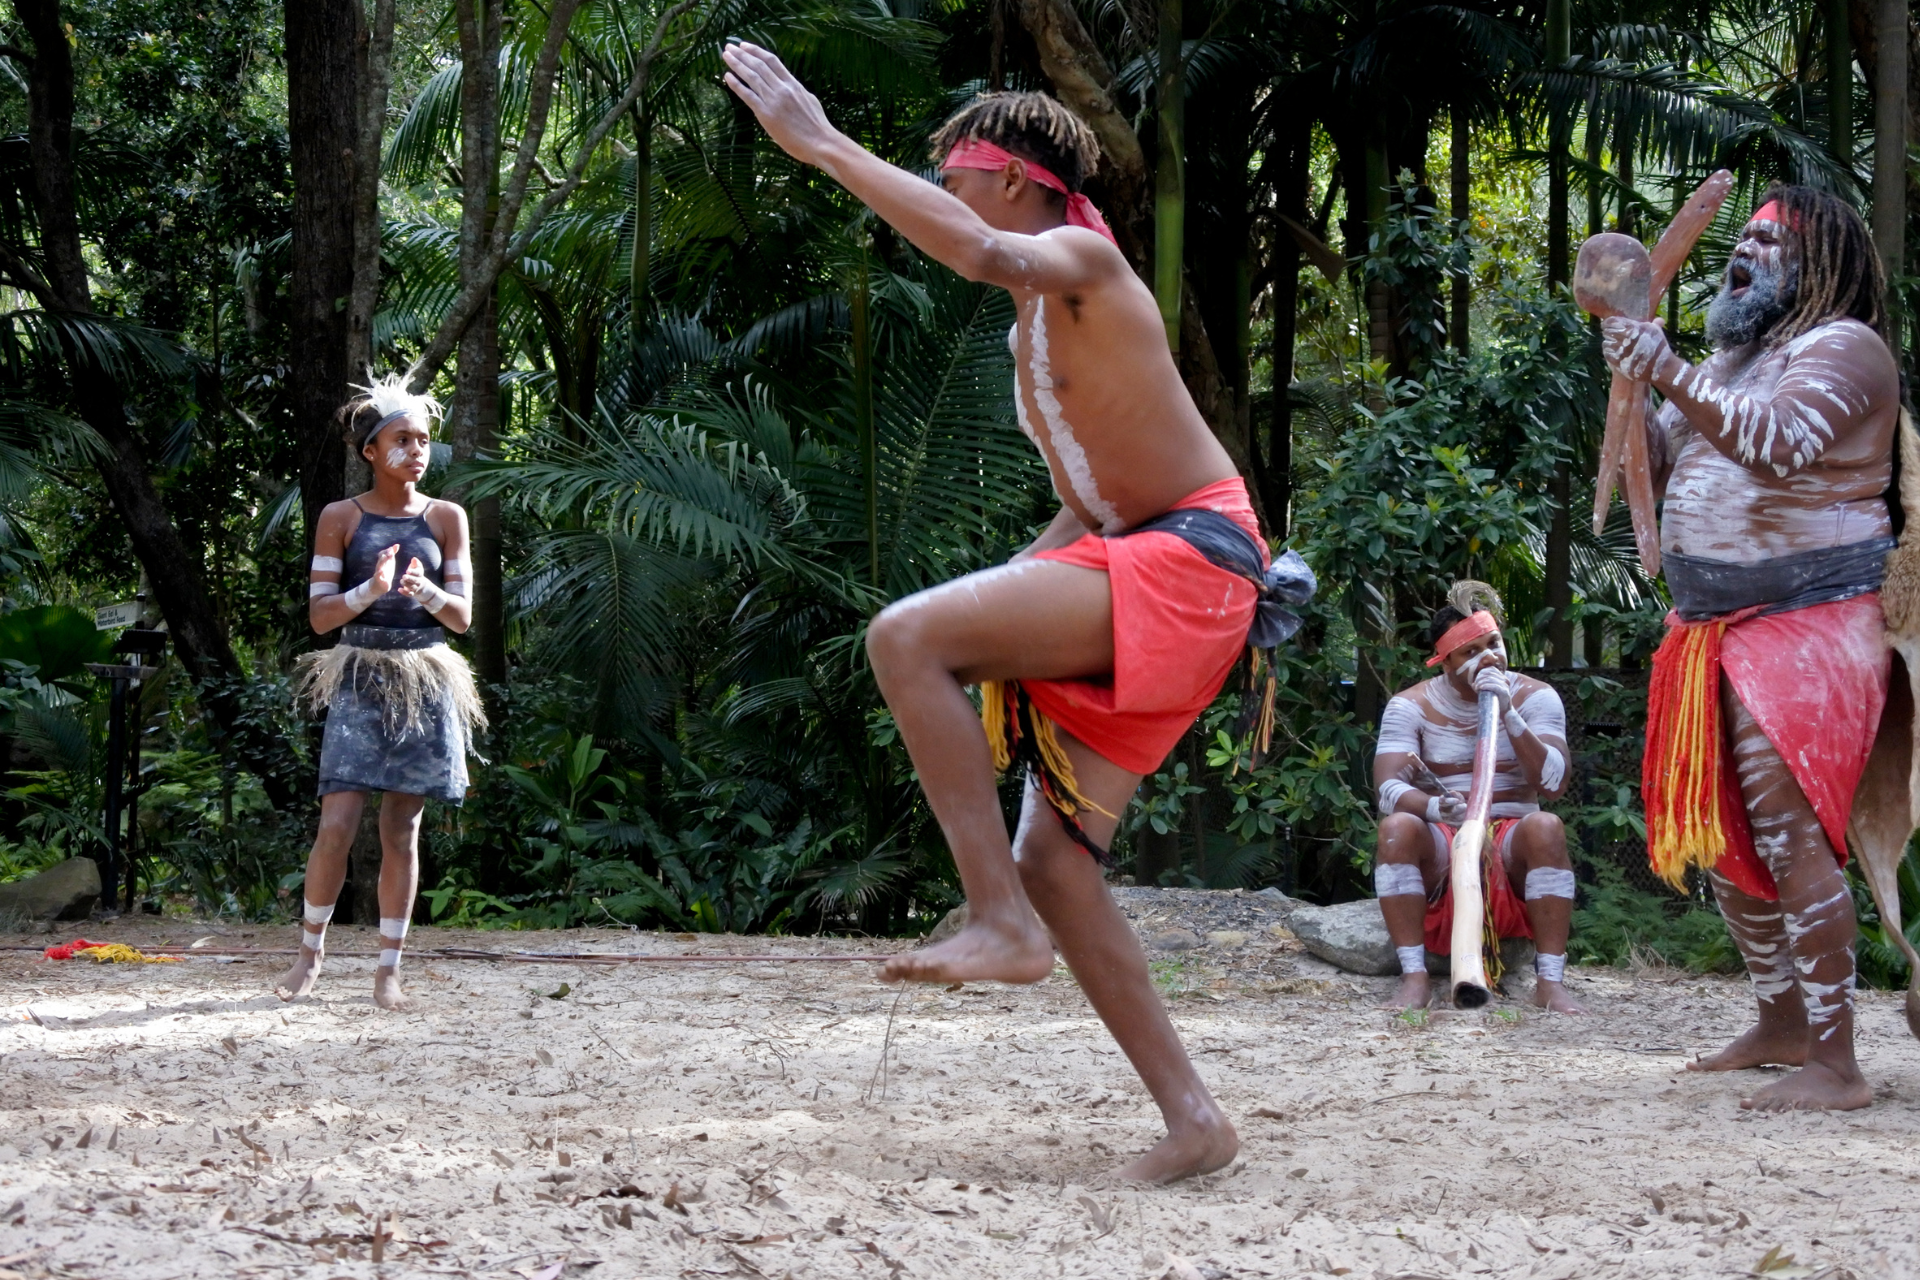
x: 1555, y: 998
x: 984, y: 951
x: 386, y: 990
x: 1196, y: 1150
x: 1760, y: 1045
x: 297, y: 982
x: 1414, y: 992
x: 1815, y: 1087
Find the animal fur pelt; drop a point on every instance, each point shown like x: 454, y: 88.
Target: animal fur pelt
x: 409, y: 684
x: 1900, y: 593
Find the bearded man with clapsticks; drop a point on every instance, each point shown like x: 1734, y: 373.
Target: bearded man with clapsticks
x: 1422, y: 772
x: 1775, y: 455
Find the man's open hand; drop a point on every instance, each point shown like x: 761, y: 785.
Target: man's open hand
x: 790, y: 114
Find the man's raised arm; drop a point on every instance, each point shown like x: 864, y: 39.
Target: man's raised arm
x: 938, y: 224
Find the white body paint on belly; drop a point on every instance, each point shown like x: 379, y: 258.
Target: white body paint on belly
x: 1072, y: 458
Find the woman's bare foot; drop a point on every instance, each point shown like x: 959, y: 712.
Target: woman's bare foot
x: 386, y: 990
x: 1016, y: 951
x: 1196, y: 1149
x: 1761, y: 1045
x: 1414, y: 992
x: 297, y: 982
x: 1817, y: 1086
x: 1555, y: 998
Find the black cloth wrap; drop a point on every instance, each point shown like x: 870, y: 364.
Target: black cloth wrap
x: 362, y: 636
x: 375, y: 534
x: 1703, y: 589
x: 1228, y: 546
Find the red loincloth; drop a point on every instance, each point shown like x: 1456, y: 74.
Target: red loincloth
x: 1814, y: 679
x: 1179, y: 624
x: 1508, y: 912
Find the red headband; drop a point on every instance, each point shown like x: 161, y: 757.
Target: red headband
x: 978, y: 154
x: 1465, y: 631
x: 1770, y: 212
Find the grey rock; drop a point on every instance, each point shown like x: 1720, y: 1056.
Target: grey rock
x: 951, y: 923
x: 1175, y: 940
x: 65, y: 891
x: 1351, y: 935
x: 1279, y: 901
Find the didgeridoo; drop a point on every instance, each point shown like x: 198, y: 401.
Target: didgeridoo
x: 1469, y: 978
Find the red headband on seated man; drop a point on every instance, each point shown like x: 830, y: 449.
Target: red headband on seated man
x: 1466, y: 631
x: 980, y: 154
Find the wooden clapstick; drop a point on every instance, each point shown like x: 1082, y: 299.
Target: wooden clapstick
x: 1616, y: 276
x: 1469, y: 978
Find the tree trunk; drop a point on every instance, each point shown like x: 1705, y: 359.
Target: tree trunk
x: 1839, y: 84
x: 1169, y: 187
x: 1460, y: 164
x: 476, y: 396
x: 172, y: 567
x: 1559, y: 559
x: 639, y: 258
x: 376, y: 79
x: 1890, y: 153
x: 324, y: 115
x: 1292, y: 203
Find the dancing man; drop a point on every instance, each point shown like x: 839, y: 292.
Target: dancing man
x: 1098, y: 645
x: 1422, y: 770
x: 1776, y: 455
x: 401, y: 706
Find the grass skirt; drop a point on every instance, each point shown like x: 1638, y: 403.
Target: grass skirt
x: 401, y: 709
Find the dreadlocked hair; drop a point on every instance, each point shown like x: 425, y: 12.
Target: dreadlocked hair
x: 1840, y: 272
x: 1032, y: 126
x: 1463, y: 599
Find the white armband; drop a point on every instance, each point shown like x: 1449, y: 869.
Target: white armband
x: 328, y: 564
x: 451, y: 567
x: 361, y: 596
x: 1554, y: 771
x: 315, y: 589
x: 1516, y: 723
x: 1390, y: 792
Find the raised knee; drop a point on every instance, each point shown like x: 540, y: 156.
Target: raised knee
x: 1400, y: 834
x: 893, y: 637
x: 1545, y: 837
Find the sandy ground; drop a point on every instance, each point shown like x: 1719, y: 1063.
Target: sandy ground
x: 668, y: 1121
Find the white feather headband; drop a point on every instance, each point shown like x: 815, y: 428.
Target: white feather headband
x: 390, y: 397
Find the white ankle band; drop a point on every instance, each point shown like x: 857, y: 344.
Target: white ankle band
x: 1412, y: 959
x: 1550, y: 968
x: 314, y: 940
x: 1391, y: 879
x: 393, y: 930
x: 1549, y: 882
x: 390, y: 958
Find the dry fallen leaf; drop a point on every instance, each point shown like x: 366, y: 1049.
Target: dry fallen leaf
x: 549, y: 1272
x: 1178, y: 1268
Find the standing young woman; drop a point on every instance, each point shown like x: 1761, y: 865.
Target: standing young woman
x: 401, y: 706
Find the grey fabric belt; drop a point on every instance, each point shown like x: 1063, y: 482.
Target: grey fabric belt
x: 1703, y: 588
x: 364, y: 636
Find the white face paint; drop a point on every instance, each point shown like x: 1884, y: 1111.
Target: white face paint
x: 1073, y: 458
x: 396, y: 458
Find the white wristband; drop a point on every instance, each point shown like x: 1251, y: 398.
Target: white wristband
x: 360, y: 597
x: 1433, y: 809
x: 430, y: 598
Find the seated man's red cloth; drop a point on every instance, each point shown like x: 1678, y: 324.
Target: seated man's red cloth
x: 1507, y: 912
x: 1814, y: 679
x: 1179, y: 624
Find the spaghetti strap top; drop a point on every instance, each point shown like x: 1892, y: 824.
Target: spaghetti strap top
x: 374, y: 535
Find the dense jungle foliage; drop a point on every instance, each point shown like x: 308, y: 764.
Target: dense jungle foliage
x: 711, y: 415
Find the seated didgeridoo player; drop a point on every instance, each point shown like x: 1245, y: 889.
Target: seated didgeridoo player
x: 389, y: 569
x: 1422, y: 769
x: 1776, y: 457
x: 1095, y: 651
